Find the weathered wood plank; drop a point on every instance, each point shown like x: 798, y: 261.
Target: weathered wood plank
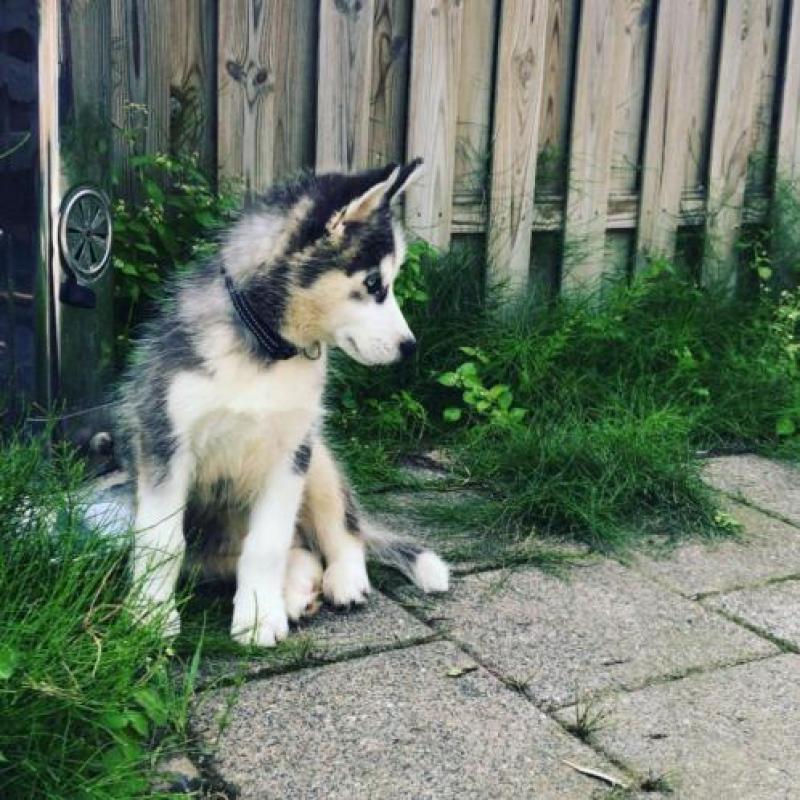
x: 603, y: 56
x: 673, y: 90
x: 733, y: 135
x: 295, y: 33
x: 788, y: 156
x: 390, y: 65
x: 433, y: 103
x: 193, y: 29
x: 628, y: 129
x: 551, y: 171
x: 520, y: 77
x: 703, y: 50
x: 759, y: 171
x: 140, y: 68
x: 475, y: 88
x: 265, y: 59
x: 343, y: 97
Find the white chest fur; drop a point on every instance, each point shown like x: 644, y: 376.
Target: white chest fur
x: 242, y: 418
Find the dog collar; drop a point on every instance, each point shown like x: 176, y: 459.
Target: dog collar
x: 271, y: 344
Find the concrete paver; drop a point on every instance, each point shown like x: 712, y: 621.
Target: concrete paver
x: 732, y: 733
x: 774, y: 609
x: 770, y: 485
x: 767, y: 549
x: 393, y: 725
x: 605, y: 627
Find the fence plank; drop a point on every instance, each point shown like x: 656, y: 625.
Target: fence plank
x: 667, y: 147
x: 140, y: 81
x: 733, y: 135
x: 601, y: 62
x: 433, y: 100
x: 265, y: 101
x: 788, y: 157
x: 520, y: 74
x: 628, y: 128
x: 294, y: 35
x: 343, y: 98
x: 193, y: 29
x: 390, y: 63
x: 554, y: 123
x: 473, y: 118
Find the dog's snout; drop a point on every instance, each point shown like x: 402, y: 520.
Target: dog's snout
x: 408, y: 347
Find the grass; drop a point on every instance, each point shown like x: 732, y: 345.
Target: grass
x: 574, y: 419
x: 88, y: 700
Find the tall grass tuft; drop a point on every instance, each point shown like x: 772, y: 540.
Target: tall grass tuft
x: 85, y: 694
x: 580, y: 417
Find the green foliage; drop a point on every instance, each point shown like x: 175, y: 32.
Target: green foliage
x: 87, y: 697
x: 410, y: 286
x: 169, y: 226
x: 581, y: 418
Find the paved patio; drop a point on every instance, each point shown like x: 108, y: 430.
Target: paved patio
x: 675, y: 676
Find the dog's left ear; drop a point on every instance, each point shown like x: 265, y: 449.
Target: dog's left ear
x: 361, y: 207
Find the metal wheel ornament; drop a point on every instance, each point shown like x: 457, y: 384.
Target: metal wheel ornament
x: 85, y: 232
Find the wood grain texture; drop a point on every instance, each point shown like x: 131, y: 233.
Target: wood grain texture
x: 520, y: 75
x: 628, y: 130
x: 759, y: 169
x: 667, y: 147
x: 140, y: 69
x: 390, y: 66
x: 733, y: 135
x: 554, y: 119
x: 343, y: 96
x: 602, y: 61
x: 433, y: 103
x: 788, y: 155
x: 475, y: 89
x: 265, y: 128
x: 193, y: 84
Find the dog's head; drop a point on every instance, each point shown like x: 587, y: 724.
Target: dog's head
x: 342, y: 259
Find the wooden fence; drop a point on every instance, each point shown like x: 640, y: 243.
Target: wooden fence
x: 578, y: 137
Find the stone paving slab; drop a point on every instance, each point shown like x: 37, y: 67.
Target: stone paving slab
x: 774, y: 609
x: 767, y: 484
x: 378, y: 625
x: 393, y: 725
x: 768, y: 549
x: 733, y: 733
x: 603, y: 628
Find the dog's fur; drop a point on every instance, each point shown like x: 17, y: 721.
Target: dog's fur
x: 224, y: 438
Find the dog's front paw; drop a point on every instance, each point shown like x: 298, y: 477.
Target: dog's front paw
x: 258, y: 621
x: 303, y: 584
x: 161, y: 613
x: 345, y: 581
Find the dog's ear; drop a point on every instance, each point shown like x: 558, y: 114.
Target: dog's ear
x: 359, y: 209
x: 405, y: 177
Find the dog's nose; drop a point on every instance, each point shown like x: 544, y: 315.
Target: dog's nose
x: 408, y: 347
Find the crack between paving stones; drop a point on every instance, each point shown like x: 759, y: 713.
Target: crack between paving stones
x: 738, y: 498
x: 782, y: 644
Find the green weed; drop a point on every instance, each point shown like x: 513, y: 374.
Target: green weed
x: 88, y: 699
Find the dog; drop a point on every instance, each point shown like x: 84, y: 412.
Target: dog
x: 221, y: 412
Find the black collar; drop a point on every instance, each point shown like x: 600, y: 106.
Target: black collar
x: 271, y: 344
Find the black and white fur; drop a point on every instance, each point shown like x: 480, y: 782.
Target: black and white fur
x: 222, y: 409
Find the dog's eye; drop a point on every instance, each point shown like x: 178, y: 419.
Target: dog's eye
x: 373, y: 282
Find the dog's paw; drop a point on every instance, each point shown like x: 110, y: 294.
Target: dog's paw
x: 303, y: 584
x: 431, y: 574
x: 345, y: 581
x: 161, y: 613
x: 258, y: 621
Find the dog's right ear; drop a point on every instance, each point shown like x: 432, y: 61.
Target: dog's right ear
x: 405, y: 177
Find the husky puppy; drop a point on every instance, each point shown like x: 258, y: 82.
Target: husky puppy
x: 221, y: 414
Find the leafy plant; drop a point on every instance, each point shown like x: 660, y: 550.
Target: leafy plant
x: 493, y: 403
x: 410, y: 286
x: 170, y: 225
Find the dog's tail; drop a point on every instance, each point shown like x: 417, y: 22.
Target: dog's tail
x: 421, y: 566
